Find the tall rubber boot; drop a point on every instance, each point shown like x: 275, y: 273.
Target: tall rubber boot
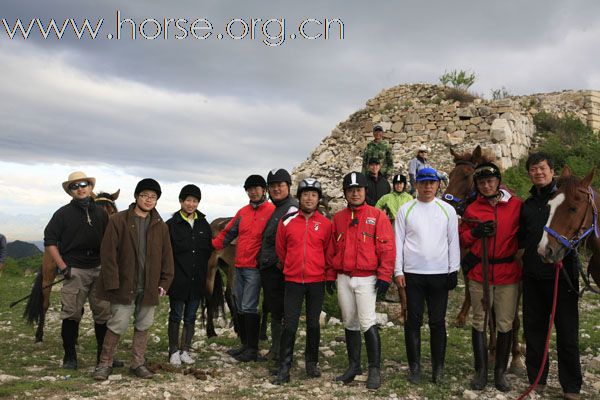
x: 276, y: 328
x: 286, y: 356
x: 438, y: 354
x: 241, y: 320
x: 69, y: 336
x: 412, y: 340
x: 373, y: 345
x: 109, y: 348
x: 353, y: 345
x: 480, y: 360
x: 173, y: 332
x: 503, y: 344
x: 252, y: 331
x: 138, y: 350
x: 100, y: 331
x: 311, y: 353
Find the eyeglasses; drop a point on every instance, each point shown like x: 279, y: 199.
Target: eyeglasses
x: 78, y: 185
x: 148, y: 196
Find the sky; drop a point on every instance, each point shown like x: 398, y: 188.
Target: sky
x: 212, y: 106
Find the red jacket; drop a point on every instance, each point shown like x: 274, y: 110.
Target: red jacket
x: 302, y: 245
x: 363, y: 248
x: 247, y: 225
x: 503, y: 244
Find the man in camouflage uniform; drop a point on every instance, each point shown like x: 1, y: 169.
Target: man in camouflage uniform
x: 381, y: 150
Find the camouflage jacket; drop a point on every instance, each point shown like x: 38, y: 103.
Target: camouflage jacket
x: 383, y: 152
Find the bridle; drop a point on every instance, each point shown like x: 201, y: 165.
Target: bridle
x: 578, y: 238
x: 460, y: 204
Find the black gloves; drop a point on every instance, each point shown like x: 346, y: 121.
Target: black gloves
x: 382, y: 287
x: 452, y: 280
x: 330, y: 287
x: 484, y: 229
x: 64, y: 272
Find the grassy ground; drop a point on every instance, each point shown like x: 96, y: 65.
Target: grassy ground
x: 34, y: 370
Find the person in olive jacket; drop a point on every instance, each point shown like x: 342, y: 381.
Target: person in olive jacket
x: 137, y: 269
x: 191, y: 238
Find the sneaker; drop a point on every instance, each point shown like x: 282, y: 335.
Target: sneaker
x: 175, y: 359
x: 186, y: 358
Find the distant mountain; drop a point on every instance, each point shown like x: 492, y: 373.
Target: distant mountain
x: 19, y: 249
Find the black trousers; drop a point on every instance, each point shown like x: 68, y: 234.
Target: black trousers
x: 430, y: 289
x: 272, y: 280
x: 295, y: 293
x: 537, y: 306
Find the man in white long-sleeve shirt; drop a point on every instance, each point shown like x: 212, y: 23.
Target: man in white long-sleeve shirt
x: 427, y: 261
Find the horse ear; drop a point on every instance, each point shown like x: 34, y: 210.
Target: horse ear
x: 566, y: 172
x: 587, y: 181
x: 115, y: 195
x: 453, y: 153
x: 476, y: 155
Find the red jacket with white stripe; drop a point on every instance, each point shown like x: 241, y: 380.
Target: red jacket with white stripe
x: 302, y: 245
x: 503, y: 244
x: 363, y: 243
x: 247, y: 225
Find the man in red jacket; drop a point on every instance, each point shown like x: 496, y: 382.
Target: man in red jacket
x: 247, y: 226
x: 362, y: 258
x: 494, y: 217
x: 302, y: 241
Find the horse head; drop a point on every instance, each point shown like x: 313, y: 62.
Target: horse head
x: 107, y: 201
x: 460, y: 185
x: 572, y: 217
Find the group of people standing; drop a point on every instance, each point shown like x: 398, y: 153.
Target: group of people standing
x: 286, y: 246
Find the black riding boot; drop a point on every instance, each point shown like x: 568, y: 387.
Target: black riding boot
x: 252, y: 322
x: 311, y: 353
x: 69, y: 336
x: 275, y: 340
x: 480, y: 357
x: 373, y: 345
x: 353, y: 345
x: 412, y: 340
x: 503, y: 342
x: 438, y: 354
x: 286, y: 355
x: 188, y: 335
x: 173, y: 332
x: 241, y: 322
x: 100, y: 330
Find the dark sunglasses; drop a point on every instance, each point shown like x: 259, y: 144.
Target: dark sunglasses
x: 78, y: 185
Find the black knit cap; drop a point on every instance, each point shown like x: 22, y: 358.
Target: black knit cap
x: 255, y: 180
x: 190, y: 190
x: 148, y: 184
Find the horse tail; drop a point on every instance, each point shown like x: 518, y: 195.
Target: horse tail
x: 34, y: 308
x: 218, y: 296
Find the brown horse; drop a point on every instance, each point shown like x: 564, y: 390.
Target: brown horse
x: 573, y: 221
x: 39, y: 299
x: 460, y: 192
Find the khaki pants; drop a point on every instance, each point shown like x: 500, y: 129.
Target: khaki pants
x: 81, y: 287
x: 143, y: 316
x: 503, y: 299
x: 357, y: 297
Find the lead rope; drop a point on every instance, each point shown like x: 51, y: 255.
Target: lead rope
x: 531, y: 387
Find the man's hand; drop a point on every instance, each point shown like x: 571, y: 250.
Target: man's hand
x: 161, y: 291
x: 330, y: 287
x: 484, y: 229
x: 382, y: 287
x: 400, y: 281
x: 66, y: 272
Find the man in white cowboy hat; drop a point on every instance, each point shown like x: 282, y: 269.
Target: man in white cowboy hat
x: 416, y: 164
x: 72, y: 238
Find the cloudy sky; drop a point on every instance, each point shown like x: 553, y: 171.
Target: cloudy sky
x: 211, y: 111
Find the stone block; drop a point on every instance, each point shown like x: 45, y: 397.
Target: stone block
x: 397, y: 126
x: 501, y: 131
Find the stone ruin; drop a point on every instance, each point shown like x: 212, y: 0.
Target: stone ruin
x: 416, y: 114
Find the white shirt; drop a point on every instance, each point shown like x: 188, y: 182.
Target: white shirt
x: 426, y: 238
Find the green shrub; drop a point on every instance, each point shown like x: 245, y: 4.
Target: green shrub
x: 458, y: 79
x: 498, y: 94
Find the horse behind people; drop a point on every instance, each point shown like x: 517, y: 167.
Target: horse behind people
x: 573, y: 221
x: 39, y: 299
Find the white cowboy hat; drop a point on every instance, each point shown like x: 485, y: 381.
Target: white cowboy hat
x: 76, y: 177
x: 424, y: 148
